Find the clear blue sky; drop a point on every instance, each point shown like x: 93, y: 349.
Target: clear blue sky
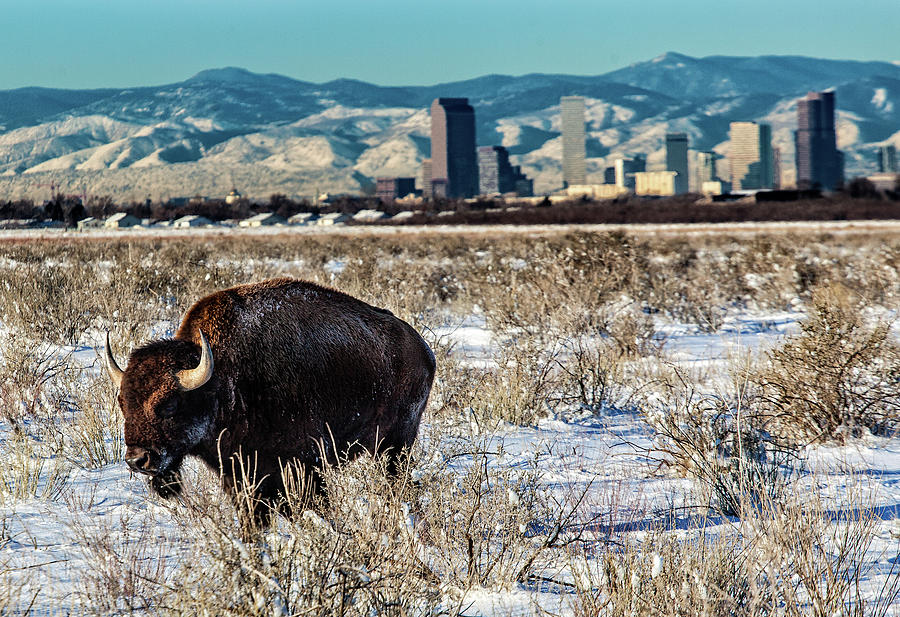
x: 118, y: 43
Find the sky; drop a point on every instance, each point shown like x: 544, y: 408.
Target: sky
x: 123, y: 43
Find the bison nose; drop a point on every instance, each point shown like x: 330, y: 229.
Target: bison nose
x: 140, y: 459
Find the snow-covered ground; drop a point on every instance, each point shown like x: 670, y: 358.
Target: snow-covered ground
x: 49, y: 547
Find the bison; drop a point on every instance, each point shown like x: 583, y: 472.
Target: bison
x: 261, y: 376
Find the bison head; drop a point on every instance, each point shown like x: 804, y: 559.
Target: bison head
x: 167, y: 411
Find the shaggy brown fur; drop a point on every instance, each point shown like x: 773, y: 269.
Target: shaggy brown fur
x: 300, y: 370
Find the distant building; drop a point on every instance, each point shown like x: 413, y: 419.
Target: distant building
x: 524, y: 186
x: 609, y: 175
x: 714, y: 187
x: 596, y: 191
x: 426, y: 179
x: 571, y: 110
x: 453, y: 161
x: 389, y: 189
x: 677, y: 160
x: 776, y: 168
x: 89, y: 223
x: 655, y: 183
x: 751, y: 157
x: 301, y: 218
x: 819, y: 163
x: 884, y: 181
x: 887, y: 159
x: 233, y: 197
x: 369, y: 216
x: 332, y: 218
x: 494, y: 170
x: 624, y: 170
x: 121, y: 220
x: 706, y: 168
x: 191, y: 220
x: 263, y: 219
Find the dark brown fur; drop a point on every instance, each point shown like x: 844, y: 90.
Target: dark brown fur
x: 300, y: 370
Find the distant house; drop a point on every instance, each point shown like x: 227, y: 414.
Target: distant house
x: 332, y: 218
x: 89, y: 223
x: 367, y: 216
x: 264, y: 218
x: 191, y: 220
x: 302, y: 218
x: 121, y: 220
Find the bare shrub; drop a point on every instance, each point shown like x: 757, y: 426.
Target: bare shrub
x: 128, y: 568
x: 836, y: 379
x: 705, y: 575
x: 30, y: 372
x: 491, y: 525
x: 96, y: 435
x: 521, y: 389
x: 812, y: 561
x: 37, y: 299
x: 720, y: 442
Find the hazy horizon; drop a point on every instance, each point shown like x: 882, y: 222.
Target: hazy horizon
x: 115, y: 44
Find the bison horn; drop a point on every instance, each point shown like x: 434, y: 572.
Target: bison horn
x: 191, y: 379
x: 115, y: 373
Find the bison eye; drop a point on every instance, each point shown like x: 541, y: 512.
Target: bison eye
x: 167, y: 409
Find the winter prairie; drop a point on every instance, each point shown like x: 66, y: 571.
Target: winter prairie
x: 642, y: 421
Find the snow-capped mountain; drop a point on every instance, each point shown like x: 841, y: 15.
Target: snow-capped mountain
x: 269, y: 133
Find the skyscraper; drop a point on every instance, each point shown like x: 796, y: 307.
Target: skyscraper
x: 887, y: 159
x: 624, y: 170
x: 751, y: 157
x: 706, y: 167
x: 426, y: 179
x: 571, y: 109
x: 454, y: 168
x: 819, y: 162
x: 677, y: 160
x: 495, y: 174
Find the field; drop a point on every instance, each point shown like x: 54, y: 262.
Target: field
x: 669, y: 420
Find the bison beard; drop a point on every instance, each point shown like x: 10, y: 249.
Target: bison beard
x: 269, y: 374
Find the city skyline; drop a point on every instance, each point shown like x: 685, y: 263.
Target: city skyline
x: 104, y: 43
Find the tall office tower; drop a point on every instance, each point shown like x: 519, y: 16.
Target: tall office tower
x: 887, y: 159
x: 625, y: 170
x: 819, y: 162
x: 495, y: 174
x: 677, y: 160
x: 706, y: 167
x: 454, y: 168
x: 426, y: 179
x: 571, y: 109
x: 751, y: 157
x: 776, y: 168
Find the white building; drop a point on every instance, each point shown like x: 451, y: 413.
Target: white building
x: 302, y: 218
x: 332, y: 218
x: 596, y: 191
x: 658, y: 183
x: 367, y: 216
x: 263, y: 219
x: 121, y: 220
x: 191, y: 220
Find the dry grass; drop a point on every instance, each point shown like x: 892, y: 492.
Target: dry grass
x: 573, y: 316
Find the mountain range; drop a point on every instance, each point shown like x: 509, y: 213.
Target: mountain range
x: 268, y: 134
